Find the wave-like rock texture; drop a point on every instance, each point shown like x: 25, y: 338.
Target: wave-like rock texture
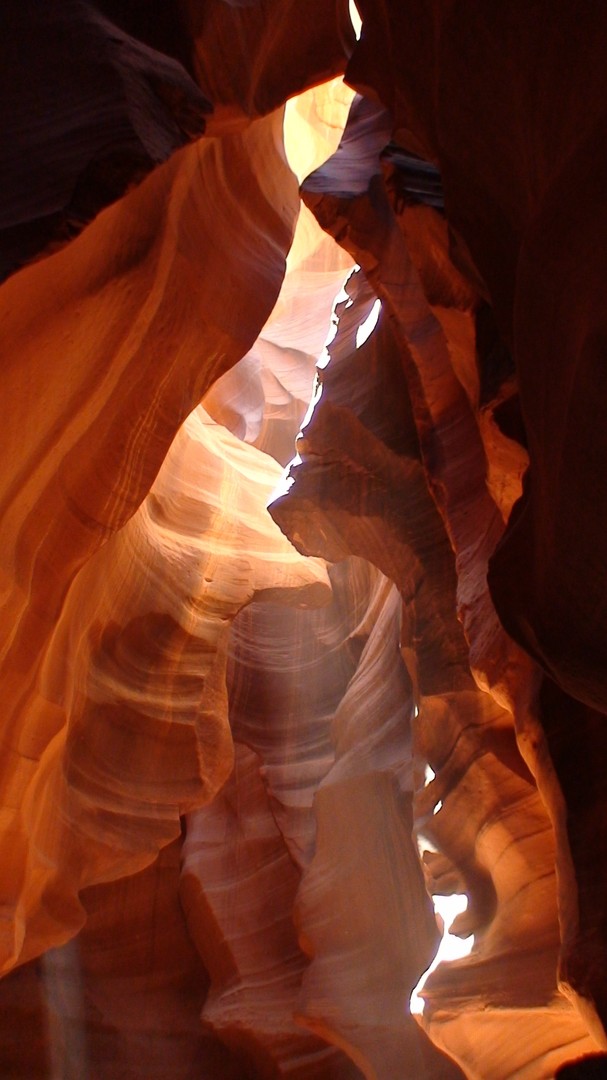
x: 411, y: 495
x: 138, y: 666
x: 121, y: 333
x: 97, y: 93
x: 242, y: 750
x: 121, y: 999
x: 522, y: 194
x: 313, y: 768
x: 249, y: 57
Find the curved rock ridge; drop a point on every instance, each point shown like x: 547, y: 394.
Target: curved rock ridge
x: 244, y: 854
x: 98, y: 93
x: 522, y: 196
x: 296, y: 682
x: 145, y: 287
x: 263, y: 399
x: 376, y: 496
x: 512, y: 199
x: 122, y: 998
x: 110, y: 818
x: 298, y: 664
x: 138, y: 662
x: 362, y: 911
x: 250, y: 57
x: 244, y: 931
x: 357, y: 479
x: 121, y: 333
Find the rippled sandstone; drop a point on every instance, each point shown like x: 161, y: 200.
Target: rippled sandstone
x: 242, y: 750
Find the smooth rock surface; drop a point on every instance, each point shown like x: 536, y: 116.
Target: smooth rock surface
x: 233, y: 775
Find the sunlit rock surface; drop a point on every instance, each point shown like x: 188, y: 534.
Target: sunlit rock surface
x: 241, y: 749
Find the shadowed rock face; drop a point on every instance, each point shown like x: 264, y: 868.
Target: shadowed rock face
x: 242, y: 749
x: 90, y: 107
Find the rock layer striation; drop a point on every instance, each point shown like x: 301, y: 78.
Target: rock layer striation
x: 241, y: 749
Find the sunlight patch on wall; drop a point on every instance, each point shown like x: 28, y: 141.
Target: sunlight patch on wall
x: 313, y: 125
x: 367, y: 327
x: 341, y: 298
x: 450, y: 948
x: 356, y: 19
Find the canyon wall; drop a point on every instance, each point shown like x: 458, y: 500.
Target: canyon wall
x: 302, y: 476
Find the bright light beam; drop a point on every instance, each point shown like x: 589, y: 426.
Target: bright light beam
x: 368, y: 326
x: 450, y: 948
x: 356, y: 19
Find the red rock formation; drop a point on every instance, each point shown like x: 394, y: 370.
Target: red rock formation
x: 231, y: 774
x: 522, y: 195
x: 350, y: 486
x: 121, y: 999
x: 249, y: 58
x: 92, y: 102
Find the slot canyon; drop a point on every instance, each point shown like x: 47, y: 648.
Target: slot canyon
x: 303, y: 528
